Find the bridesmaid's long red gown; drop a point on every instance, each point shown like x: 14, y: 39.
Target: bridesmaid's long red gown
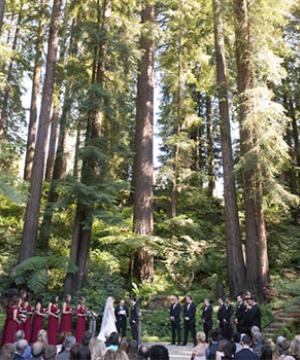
x: 53, y: 326
x: 27, y: 324
x: 66, y: 322
x: 37, y: 323
x: 10, y: 327
x: 80, y: 325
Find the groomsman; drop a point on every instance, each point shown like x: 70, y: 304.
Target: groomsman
x: 174, y: 312
x: 229, y: 310
x: 240, y: 313
x: 121, y: 313
x: 189, y: 314
x: 135, y: 320
x: 207, y: 318
x: 254, y: 313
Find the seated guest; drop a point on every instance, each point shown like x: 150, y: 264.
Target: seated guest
x: 225, y: 350
x: 246, y: 353
x: 7, y: 351
x: 213, y: 346
x: 50, y: 353
x: 37, y: 350
x: 266, y: 353
x: 295, y: 347
x: 98, y: 349
x: 143, y: 352
x: 115, y: 355
x: 237, y: 340
x: 84, y: 351
x: 159, y: 352
x: 113, y: 341
x: 20, y: 335
x: 21, y: 346
x: 69, y: 342
x: 282, y: 347
x: 199, y: 351
x: 74, y: 354
x: 258, y: 343
x: 133, y: 349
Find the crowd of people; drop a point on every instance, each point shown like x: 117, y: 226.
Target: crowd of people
x: 237, y: 335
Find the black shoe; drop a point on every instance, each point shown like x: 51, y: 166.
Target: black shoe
x: 172, y: 343
x: 183, y: 344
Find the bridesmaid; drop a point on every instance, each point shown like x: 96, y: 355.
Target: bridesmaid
x: 38, y: 319
x: 26, y: 310
x: 12, y: 322
x: 66, y: 318
x: 81, y: 320
x: 53, y: 321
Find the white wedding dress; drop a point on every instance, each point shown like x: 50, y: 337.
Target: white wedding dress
x: 108, y: 324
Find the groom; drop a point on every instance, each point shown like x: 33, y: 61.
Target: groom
x: 135, y: 320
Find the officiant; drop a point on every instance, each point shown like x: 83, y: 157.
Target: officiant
x: 121, y: 313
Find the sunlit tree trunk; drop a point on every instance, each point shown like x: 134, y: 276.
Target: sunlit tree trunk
x: 235, y: 261
x: 7, y: 89
x: 143, y: 160
x: 31, y: 134
x: 31, y: 221
x: 82, y: 230
x: 210, y: 148
x: 256, y: 237
x: 2, y: 9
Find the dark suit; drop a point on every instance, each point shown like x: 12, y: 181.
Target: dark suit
x: 245, y: 354
x: 240, y: 314
x: 174, y: 313
x: 225, y: 313
x: 121, y: 318
x: 135, y: 322
x: 254, y: 317
x: 189, y: 314
x: 207, y: 320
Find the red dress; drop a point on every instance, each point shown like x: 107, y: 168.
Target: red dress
x: 27, y: 323
x: 10, y: 327
x: 53, y: 326
x: 80, y: 324
x: 66, y: 321
x: 37, y: 323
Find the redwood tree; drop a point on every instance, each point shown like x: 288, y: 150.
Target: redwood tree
x: 256, y: 237
x: 31, y: 221
x: 2, y: 8
x: 143, y: 160
x: 235, y: 261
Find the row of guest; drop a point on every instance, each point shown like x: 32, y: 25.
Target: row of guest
x: 246, y: 315
x: 20, y: 315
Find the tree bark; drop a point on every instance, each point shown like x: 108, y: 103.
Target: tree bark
x: 143, y: 160
x: 235, y: 261
x: 52, y: 144
x: 7, y: 89
x: 210, y: 148
x: 31, y: 134
x: 30, y: 230
x: 256, y: 238
x: 2, y: 9
x: 82, y: 230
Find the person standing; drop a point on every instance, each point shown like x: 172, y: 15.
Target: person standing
x: 207, y: 318
x: 221, y: 315
x: 229, y: 310
x: 38, y: 319
x: 121, y: 313
x: 240, y: 312
x: 81, y: 320
x: 135, y: 320
x: 254, y: 313
x: 189, y: 314
x: 12, y: 321
x: 53, y: 321
x: 174, y: 313
x: 66, y: 318
x: 27, y: 311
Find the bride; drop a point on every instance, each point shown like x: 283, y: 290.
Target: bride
x: 108, y: 324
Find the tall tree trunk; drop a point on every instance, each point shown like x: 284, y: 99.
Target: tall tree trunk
x: 31, y: 222
x: 7, y: 89
x: 235, y: 261
x: 82, y: 230
x: 292, y: 114
x: 76, y: 156
x: 2, y: 8
x: 210, y: 148
x: 143, y: 160
x: 256, y: 238
x: 31, y: 134
x: 58, y: 92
